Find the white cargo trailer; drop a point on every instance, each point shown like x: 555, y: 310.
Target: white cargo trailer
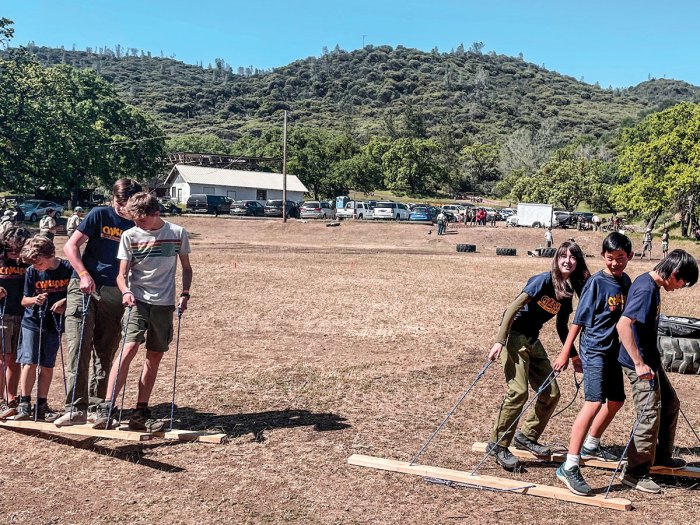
x: 534, y: 215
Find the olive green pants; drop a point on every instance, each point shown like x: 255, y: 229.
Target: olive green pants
x: 524, y: 362
x: 100, y: 339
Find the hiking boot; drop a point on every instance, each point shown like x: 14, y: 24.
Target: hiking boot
x: 77, y: 417
x: 598, y: 453
x: 24, y: 412
x: 503, y: 457
x: 573, y: 479
x: 45, y: 413
x: 670, y: 463
x: 102, y: 421
x: 141, y: 420
x: 642, y: 483
x: 92, y: 414
x: 523, y: 442
x: 8, y: 408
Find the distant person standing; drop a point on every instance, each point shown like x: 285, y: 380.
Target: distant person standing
x: 19, y: 215
x: 6, y: 222
x: 47, y: 225
x: 664, y: 243
x: 548, y: 237
x: 441, y: 219
x: 596, y: 220
x: 74, y: 220
x: 646, y: 243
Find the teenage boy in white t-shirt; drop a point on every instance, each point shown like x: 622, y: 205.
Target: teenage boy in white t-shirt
x: 148, y: 255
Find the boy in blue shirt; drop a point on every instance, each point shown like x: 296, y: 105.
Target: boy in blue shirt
x: 654, y: 397
x: 45, y: 286
x: 599, y: 309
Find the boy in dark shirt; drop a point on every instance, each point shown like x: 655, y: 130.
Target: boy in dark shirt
x: 12, y: 273
x: 654, y: 397
x: 45, y: 286
x: 600, y: 307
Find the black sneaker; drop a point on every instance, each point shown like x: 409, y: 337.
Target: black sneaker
x: 598, y: 453
x: 141, y: 420
x: 670, y: 463
x: 24, y: 412
x: 102, y: 421
x: 503, y: 457
x: 8, y: 408
x: 573, y: 479
x: 45, y: 413
x: 523, y: 442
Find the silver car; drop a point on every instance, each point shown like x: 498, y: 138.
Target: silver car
x: 317, y: 210
x: 35, y: 209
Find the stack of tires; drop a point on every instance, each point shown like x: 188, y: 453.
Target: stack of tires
x: 678, y: 340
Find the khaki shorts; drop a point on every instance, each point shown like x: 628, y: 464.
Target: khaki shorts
x: 150, y: 323
x: 10, y: 333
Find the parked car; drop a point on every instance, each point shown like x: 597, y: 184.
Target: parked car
x: 168, y: 206
x: 273, y: 208
x: 248, y: 208
x: 203, y: 203
x: 35, y: 209
x: 562, y: 219
x: 454, y: 209
x: 424, y: 214
x: 355, y: 210
x: 391, y: 210
x: 317, y: 210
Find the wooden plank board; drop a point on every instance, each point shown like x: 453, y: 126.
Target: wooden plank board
x: 511, y: 485
x: 685, y: 472
x: 79, y: 430
x: 200, y: 436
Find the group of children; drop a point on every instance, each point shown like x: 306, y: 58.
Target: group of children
x: 34, y: 284
x: 616, y: 321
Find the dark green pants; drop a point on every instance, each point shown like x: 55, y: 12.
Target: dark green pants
x: 524, y: 362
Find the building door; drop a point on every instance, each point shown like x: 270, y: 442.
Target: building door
x: 231, y: 194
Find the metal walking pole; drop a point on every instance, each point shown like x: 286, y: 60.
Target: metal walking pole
x: 2, y: 342
x: 177, y: 351
x: 459, y: 401
x: 42, y: 314
x: 691, y: 426
x: 86, y: 308
x: 58, y: 324
x: 119, y: 366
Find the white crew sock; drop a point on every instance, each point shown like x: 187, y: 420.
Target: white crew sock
x: 572, y: 460
x: 592, y: 443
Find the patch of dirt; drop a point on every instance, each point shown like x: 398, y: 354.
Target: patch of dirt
x: 307, y: 344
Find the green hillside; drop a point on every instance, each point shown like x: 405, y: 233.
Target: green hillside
x: 369, y: 91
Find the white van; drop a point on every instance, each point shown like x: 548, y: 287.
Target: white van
x: 391, y: 210
x: 354, y: 210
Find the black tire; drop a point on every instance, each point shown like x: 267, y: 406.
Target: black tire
x: 679, y: 344
x: 466, y: 248
x: 33, y: 217
x: 506, y: 251
x: 548, y: 252
x: 359, y: 217
x: 536, y: 225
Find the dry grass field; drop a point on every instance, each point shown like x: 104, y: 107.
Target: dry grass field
x: 306, y: 344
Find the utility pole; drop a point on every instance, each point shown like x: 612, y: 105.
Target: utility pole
x: 284, y: 169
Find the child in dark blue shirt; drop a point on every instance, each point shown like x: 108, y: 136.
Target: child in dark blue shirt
x: 525, y: 361
x: 600, y: 307
x: 654, y: 397
x: 45, y: 288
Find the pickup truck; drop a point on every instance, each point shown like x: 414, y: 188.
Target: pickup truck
x: 355, y: 210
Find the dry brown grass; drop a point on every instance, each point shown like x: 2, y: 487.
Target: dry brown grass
x: 307, y: 344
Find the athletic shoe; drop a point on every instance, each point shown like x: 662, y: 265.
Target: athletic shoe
x: 45, y: 413
x: 141, y: 420
x: 642, y: 483
x: 670, y: 463
x: 503, y: 456
x: 8, y: 408
x: 573, y: 479
x: 598, y: 453
x: 102, y: 421
x: 24, y: 412
x: 523, y: 442
x: 77, y: 417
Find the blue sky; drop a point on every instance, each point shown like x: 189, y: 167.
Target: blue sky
x: 614, y: 42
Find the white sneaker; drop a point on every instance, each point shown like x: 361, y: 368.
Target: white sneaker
x: 77, y: 417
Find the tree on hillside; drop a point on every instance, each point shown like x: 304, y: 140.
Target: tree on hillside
x: 659, y: 165
x: 6, y: 31
x: 479, y: 167
x: 410, y: 165
x: 207, y: 143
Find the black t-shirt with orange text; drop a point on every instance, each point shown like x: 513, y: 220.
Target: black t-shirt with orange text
x: 53, y: 282
x: 12, y: 280
x: 542, y: 307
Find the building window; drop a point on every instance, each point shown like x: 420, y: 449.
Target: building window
x: 209, y: 190
x: 261, y: 195
x: 231, y: 194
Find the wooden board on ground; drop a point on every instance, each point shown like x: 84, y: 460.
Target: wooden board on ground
x: 510, y: 485
x: 79, y: 430
x: 201, y: 436
x: 686, y: 472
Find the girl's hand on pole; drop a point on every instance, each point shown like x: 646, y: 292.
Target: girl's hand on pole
x: 495, y: 351
x: 59, y: 307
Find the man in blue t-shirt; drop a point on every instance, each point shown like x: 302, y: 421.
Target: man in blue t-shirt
x: 94, y: 333
x: 655, y: 399
x: 598, y: 311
